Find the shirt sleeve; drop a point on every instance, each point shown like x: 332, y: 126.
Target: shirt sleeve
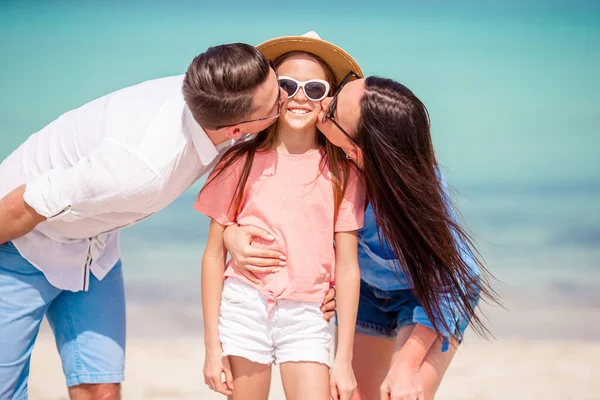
x: 352, y: 209
x: 451, y: 316
x: 216, y: 197
x: 112, y: 178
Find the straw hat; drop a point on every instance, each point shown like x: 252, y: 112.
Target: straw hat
x: 339, y: 60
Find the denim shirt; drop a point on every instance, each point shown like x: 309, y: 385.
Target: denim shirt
x: 380, y: 268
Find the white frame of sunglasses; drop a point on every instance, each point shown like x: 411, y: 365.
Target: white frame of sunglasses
x: 302, y: 84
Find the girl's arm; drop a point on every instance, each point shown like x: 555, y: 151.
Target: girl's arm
x: 213, y: 267
x: 347, y: 282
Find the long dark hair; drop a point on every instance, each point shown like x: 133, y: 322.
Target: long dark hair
x: 411, y: 207
x: 244, y: 152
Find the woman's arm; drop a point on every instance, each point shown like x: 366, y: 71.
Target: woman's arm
x: 414, y: 350
x: 213, y: 267
x: 403, y: 380
x: 347, y: 282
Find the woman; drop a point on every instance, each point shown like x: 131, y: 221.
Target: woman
x: 421, y: 279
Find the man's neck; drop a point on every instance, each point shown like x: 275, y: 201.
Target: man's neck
x: 216, y: 137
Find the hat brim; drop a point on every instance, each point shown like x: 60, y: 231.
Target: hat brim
x: 338, y: 59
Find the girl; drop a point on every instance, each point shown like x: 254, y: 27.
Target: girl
x: 289, y: 181
x: 421, y: 279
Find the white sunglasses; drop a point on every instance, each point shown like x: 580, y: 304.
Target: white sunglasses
x: 314, y: 89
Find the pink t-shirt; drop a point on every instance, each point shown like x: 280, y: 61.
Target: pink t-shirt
x: 286, y: 196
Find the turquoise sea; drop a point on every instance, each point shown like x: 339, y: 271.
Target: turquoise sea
x: 513, y: 90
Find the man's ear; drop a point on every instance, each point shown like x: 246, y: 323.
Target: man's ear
x: 234, y: 132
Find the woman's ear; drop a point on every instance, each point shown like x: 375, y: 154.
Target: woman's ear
x: 355, y: 154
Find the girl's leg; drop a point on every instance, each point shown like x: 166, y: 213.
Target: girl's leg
x: 251, y: 381
x: 305, y: 380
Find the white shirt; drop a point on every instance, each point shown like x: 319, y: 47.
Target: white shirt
x: 103, y: 167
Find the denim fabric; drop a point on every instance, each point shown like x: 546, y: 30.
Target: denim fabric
x: 382, y: 313
x: 89, y: 327
x: 381, y: 271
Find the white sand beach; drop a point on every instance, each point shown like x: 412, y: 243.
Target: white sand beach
x: 161, y: 370
x: 543, y: 349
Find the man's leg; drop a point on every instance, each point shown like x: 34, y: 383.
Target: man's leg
x: 90, y: 335
x: 24, y: 298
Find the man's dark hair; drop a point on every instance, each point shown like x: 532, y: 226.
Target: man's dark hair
x: 219, y: 84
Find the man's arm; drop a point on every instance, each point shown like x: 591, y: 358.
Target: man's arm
x: 250, y: 259
x: 111, y: 178
x: 16, y: 217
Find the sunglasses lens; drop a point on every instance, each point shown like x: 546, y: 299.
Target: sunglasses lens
x: 315, y: 90
x: 289, y: 86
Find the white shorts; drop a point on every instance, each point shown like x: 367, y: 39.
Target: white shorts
x: 296, y: 331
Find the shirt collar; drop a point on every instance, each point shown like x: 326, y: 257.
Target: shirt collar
x: 207, y: 151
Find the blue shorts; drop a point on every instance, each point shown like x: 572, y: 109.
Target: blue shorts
x: 89, y: 327
x: 382, y: 313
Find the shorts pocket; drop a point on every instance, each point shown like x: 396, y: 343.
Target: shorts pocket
x: 238, y: 293
x: 312, y: 307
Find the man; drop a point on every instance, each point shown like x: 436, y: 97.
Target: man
x: 68, y: 190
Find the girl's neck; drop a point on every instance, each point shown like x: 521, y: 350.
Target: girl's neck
x: 294, y: 141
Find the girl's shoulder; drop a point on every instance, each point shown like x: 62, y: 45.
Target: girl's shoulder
x: 236, y: 162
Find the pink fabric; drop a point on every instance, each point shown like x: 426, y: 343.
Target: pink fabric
x: 286, y: 196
